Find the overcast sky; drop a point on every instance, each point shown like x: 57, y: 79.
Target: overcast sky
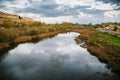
x: 57, y: 11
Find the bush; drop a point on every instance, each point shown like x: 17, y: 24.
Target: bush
x: 115, y: 28
x: 4, y: 36
x: 33, y: 32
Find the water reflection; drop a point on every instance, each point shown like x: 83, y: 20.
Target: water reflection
x: 58, y: 58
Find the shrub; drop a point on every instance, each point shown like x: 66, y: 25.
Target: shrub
x: 4, y: 36
x: 33, y: 32
x: 115, y: 28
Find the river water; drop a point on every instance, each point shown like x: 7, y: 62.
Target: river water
x: 57, y: 58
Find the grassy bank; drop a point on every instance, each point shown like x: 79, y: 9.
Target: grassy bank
x: 14, y: 30
x: 4, y: 47
x: 106, y: 47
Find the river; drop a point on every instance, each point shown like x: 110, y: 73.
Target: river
x: 57, y: 58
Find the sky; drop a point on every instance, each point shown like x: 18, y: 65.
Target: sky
x: 58, y: 11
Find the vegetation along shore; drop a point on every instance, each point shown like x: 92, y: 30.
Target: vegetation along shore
x: 102, y: 40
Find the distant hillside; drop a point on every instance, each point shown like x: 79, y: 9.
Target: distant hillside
x: 9, y: 20
x: 12, y: 17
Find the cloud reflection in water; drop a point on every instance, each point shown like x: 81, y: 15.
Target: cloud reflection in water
x: 58, y: 58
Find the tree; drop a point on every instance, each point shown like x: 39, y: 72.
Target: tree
x: 20, y: 17
x: 115, y: 28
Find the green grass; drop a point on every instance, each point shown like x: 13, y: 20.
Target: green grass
x: 106, y: 39
x: 107, y: 48
x: 111, y: 39
x: 112, y: 42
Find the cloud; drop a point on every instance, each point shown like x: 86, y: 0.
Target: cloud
x: 17, y: 4
x: 117, y: 2
x: 99, y: 5
x: 91, y: 3
x: 31, y: 15
x: 59, y: 19
x: 73, y: 3
x: 112, y: 14
x: 40, y: 17
x: 81, y: 14
x: 52, y: 11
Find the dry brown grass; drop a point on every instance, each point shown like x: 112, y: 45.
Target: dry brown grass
x: 48, y: 34
x: 22, y: 39
x: 104, y: 56
x: 4, y: 45
x: 104, y: 46
x: 85, y: 33
x: 29, y: 38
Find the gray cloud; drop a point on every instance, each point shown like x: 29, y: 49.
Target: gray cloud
x: 77, y: 11
x: 117, y: 2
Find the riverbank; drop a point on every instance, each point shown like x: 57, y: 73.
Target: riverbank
x: 4, y: 47
x: 59, y: 56
x: 15, y: 29
x: 106, y: 47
